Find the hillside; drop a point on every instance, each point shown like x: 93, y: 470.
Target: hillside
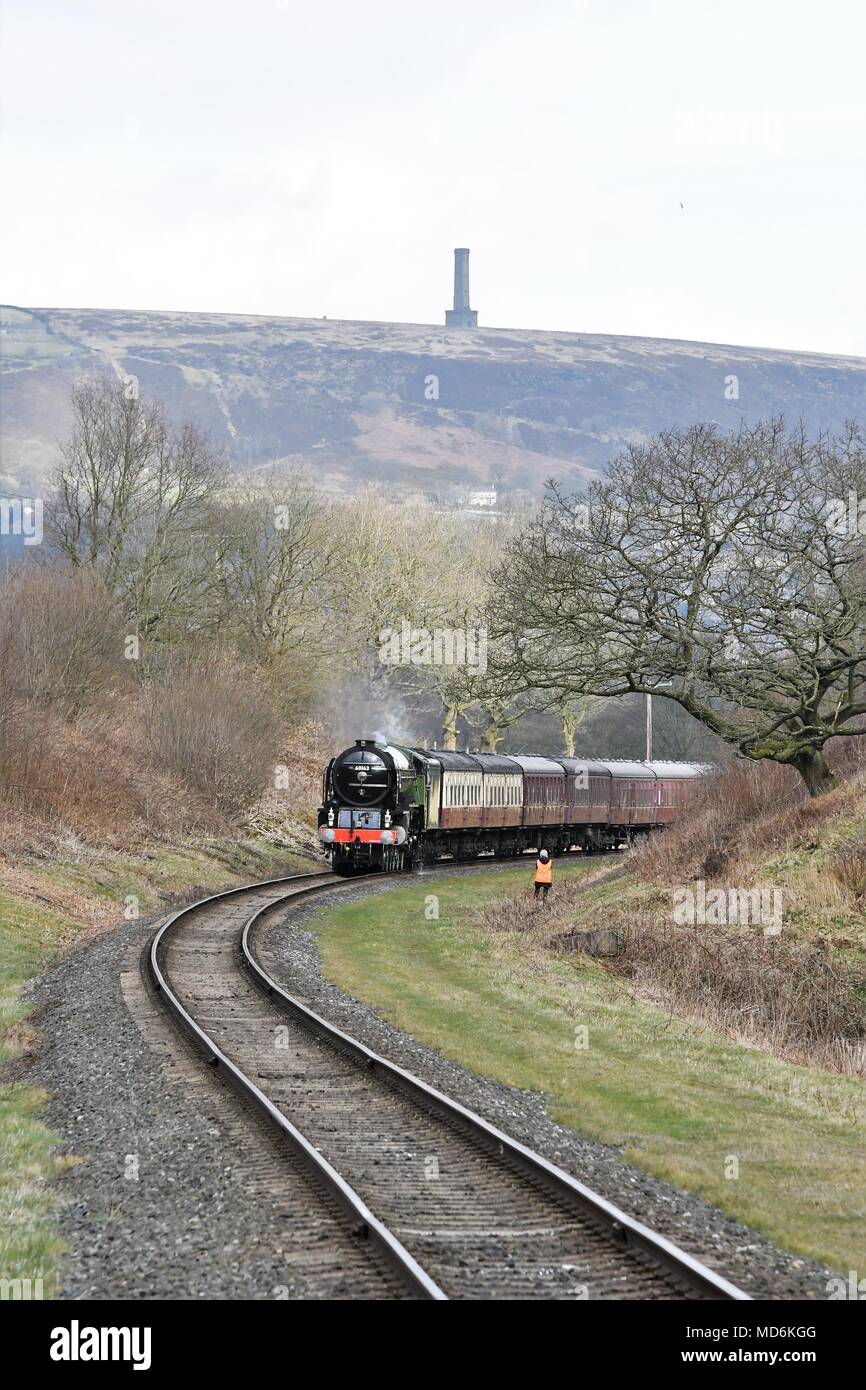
x: 355, y: 401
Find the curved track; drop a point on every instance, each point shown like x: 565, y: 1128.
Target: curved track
x: 452, y: 1205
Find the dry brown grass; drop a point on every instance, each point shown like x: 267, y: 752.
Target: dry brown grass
x: 753, y: 796
x: 61, y: 639
x: 794, y: 997
x: 91, y: 780
x: 209, y: 724
x: 749, y: 813
x: 568, y: 901
x: 798, y: 995
x: 100, y: 751
x: 849, y: 869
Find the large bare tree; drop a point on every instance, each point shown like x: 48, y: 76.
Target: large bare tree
x: 723, y: 571
x: 273, y: 550
x: 130, y: 498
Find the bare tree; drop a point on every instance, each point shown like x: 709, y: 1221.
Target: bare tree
x: 455, y: 601
x: 572, y: 714
x: 717, y: 570
x: 273, y: 555
x: 129, y: 500
x: 61, y: 639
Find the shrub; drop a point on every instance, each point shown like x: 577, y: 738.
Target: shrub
x: 61, y: 639
x: 62, y: 783
x: 737, y: 805
x: 848, y: 867
x: 798, y: 996
x: 209, y: 723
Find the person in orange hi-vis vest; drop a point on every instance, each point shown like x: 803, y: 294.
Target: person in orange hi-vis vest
x: 543, y: 875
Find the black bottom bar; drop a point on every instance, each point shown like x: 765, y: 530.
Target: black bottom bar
x: 648, y: 1339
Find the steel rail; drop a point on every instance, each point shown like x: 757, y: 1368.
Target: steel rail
x: 622, y: 1227
x: 367, y: 1225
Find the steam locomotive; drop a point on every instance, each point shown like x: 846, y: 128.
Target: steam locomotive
x: 390, y: 807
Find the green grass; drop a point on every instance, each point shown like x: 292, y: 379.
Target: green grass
x: 30, y: 937
x: 682, y: 1101
x: 208, y: 865
x: 29, y: 1247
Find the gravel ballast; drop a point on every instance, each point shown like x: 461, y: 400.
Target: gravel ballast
x: 180, y: 1191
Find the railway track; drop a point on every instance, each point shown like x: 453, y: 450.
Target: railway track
x: 449, y: 1205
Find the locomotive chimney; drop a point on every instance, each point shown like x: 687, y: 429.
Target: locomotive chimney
x: 461, y: 316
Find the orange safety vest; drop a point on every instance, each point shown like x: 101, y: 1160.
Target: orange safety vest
x: 543, y: 872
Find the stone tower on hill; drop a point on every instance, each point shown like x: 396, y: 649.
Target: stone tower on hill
x: 461, y: 316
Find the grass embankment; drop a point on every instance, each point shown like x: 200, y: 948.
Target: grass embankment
x: 45, y: 908
x: 682, y: 1100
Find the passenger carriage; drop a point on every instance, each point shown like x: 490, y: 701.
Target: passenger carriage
x: 388, y: 806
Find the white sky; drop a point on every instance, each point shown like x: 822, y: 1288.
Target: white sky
x: 274, y: 157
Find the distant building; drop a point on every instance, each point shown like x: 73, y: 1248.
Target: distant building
x: 484, y: 497
x: 461, y: 316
